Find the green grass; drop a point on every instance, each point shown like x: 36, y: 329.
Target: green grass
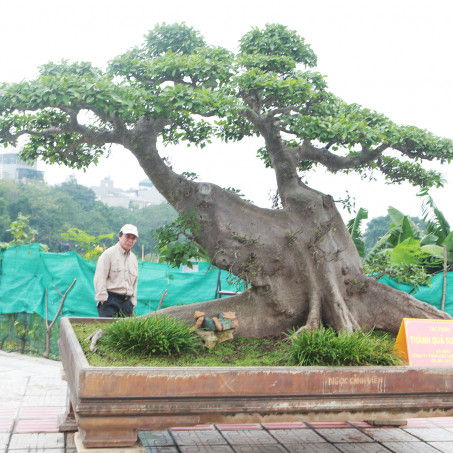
x: 151, y: 335
x: 323, y: 346
x: 328, y: 350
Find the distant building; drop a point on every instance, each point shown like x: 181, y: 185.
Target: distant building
x: 13, y: 167
x: 148, y: 195
x: 145, y: 195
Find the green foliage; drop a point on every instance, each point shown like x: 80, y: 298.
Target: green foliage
x: 237, y: 352
x: 399, y: 230
x: 190, y: 175
x: 50, y: 211
x: 5, y: 220
x: 26, y: 333
x: 237, y: 192
x: 22, y: 233
x: 437, y: 227
x: 173, y: 38
x: 397, y: 171
x: 412, y: 274
x: 410, y: 251
x: 81, y: 194
x: 53, y: 210
x: 150, y: 335
x: 87, y: 246
x: 348, y: 202
x: 408, y: 254
x: 354, y: 230
x: 195, y: 92
x: 276, y: 41
x: 246, y: 352
x: 379, y: 226
x: 324, y: 347
x: 176, y: 243
x: 21, y: 230
x: 372, y: 348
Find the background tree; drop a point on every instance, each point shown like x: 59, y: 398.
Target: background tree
x: 81, y: 194
x: 22, y: 233
x: 4, y: 219
x: 90, y: 247
x: 53, y: 210
x: 300, y: 261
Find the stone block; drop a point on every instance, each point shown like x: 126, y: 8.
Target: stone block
x: 137, y: 448
x: 394, y: 422
x: 211, y: 339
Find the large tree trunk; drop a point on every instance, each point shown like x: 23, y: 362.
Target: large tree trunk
x: 300, y: 262
x: 303, y: 270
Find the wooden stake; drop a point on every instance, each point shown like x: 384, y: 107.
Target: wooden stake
x: 49, y: 326
x: 162, y: 299
x: 444, y: 286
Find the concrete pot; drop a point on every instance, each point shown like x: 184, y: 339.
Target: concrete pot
x: 111, y: 403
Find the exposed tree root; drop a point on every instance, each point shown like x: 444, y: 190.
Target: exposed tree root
x: 342, y: 318
x: 94, y: 337
x: 376, y: 306
x: 385, y: 307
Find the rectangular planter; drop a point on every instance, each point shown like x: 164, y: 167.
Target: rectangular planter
x: 111, y: 403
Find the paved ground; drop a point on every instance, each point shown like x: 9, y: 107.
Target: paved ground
x: 33, y: 395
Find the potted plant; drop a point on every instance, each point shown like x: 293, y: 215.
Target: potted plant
x: 111, y: 403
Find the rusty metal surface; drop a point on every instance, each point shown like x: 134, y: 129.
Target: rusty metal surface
x: 156, y: 398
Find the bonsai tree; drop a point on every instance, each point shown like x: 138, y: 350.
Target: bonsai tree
x: 299, y: 261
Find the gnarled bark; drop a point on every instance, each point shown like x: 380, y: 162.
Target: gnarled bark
x: 300, y: 263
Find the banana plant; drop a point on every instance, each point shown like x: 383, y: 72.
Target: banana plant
x: 405, y: 247
x: 401, y: 229
x: 355, y: 230
x: 438, y: 229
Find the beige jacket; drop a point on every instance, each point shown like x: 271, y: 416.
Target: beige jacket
x: 116, y: 271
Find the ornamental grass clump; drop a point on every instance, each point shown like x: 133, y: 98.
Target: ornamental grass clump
x: 151, y: 335
x: 325, y: 347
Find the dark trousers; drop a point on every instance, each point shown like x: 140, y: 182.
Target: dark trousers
x: 115, y: 305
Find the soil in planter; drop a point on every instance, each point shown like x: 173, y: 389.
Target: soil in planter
x: 237, y: 352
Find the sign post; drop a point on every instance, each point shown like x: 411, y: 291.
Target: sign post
x: 425, y: 342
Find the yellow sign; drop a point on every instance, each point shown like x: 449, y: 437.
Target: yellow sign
x: 425, y: 342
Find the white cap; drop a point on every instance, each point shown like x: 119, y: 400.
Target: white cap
x: 129, y: 229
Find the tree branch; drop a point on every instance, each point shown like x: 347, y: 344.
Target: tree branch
x: 334, y: 162
x: 93, y: 137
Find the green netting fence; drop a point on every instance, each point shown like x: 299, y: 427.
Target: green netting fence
x: 26, y: 333
x: 30, y: 277
x: 432, y: 293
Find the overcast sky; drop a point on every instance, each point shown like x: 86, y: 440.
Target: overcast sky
x: 393, y: 56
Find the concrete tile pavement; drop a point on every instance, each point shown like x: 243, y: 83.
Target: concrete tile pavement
x: 346, y: 437
x: 33, y: 395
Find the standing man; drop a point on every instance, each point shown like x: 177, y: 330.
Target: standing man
x: 115, y: 279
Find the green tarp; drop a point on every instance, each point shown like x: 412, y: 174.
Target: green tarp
x: 26, y: 273
x: 432, y: 293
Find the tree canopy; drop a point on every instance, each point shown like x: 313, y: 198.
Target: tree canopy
x: 188, y: 91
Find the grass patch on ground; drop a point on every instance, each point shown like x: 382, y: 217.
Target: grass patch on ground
x: 238, y: 352
x: 324, y: 346
x: 249, y: 351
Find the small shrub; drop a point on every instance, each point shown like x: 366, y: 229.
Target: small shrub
x: 151, y: 335
x: 324, y: 347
